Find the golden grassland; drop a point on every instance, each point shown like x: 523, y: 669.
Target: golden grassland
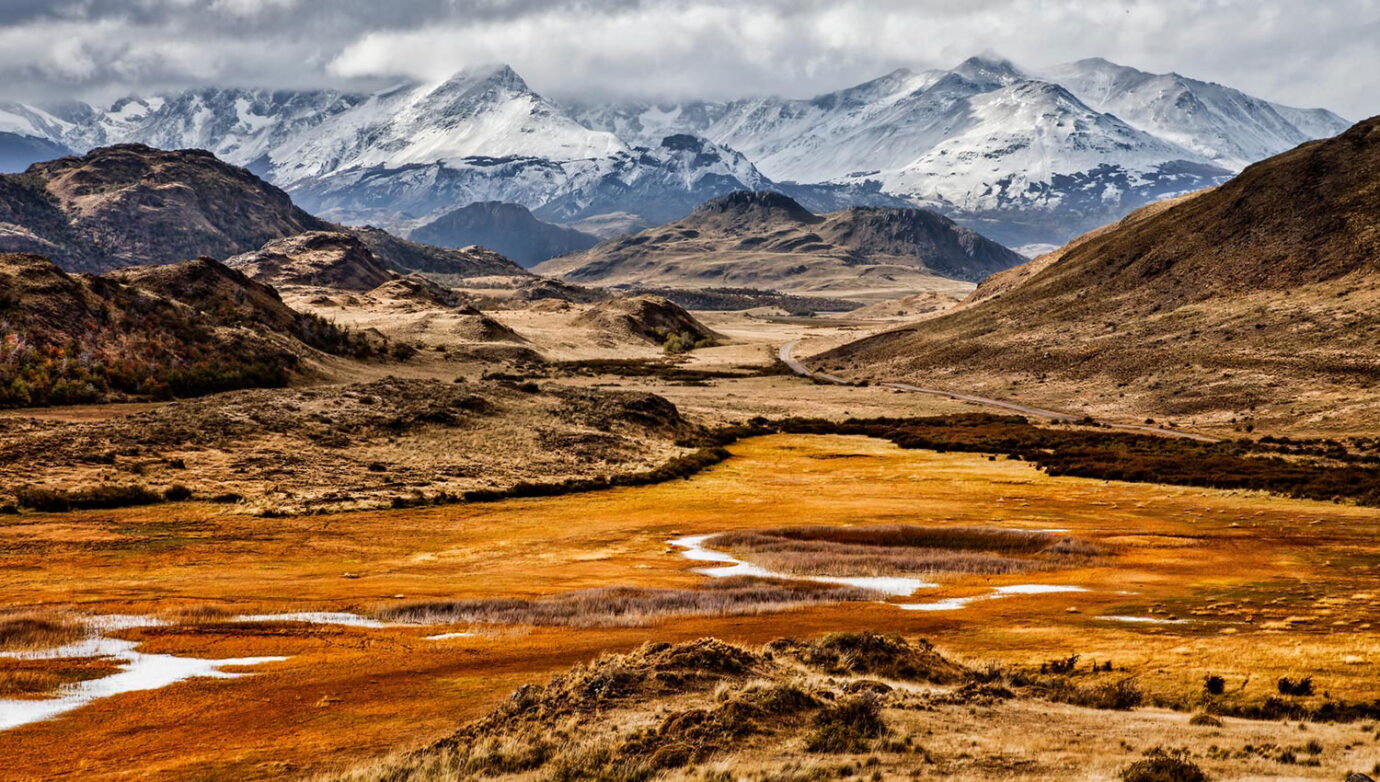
x: 1272, y: 587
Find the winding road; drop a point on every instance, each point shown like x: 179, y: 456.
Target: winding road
x: 786, y: 353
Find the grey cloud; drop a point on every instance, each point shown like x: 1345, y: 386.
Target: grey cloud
x: 1316, y: 54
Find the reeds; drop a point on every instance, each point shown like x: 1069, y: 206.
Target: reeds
x: 631, y: 606
x: 899, y: 550
x: 42, y: 678
x: 33, y: 630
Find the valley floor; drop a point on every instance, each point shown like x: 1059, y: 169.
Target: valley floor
x: 1257, y: 588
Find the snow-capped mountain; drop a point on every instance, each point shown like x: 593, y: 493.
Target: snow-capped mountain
x: 1224, y: 125
x: 28, y: 135
x: 413, y: 151
x: 1024, y: 158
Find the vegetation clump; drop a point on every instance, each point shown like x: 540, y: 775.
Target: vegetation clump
x: 901, y: 549
x: 871, y: 654
x: 104, y: 496
x: 1295, y: 687
x: 1164, y: 765
x: 848, y: 726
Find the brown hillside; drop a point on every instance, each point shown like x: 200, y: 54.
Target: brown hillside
x: 1257, y: 300
x: 75, y: 338
x: 130, y: 205
x: 228, y: 298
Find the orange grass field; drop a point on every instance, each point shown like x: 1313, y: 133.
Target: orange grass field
x: 1272, y: 587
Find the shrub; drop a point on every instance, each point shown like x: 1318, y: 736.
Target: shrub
x: 1060, y: 667
x: 177, y: 493
x: 847, y: 726
x: 871, y: 654
x: 1119, y: 696
x: 1160, y: 765
x: 1301, y: 687
x: 1214, y: 685
x: 1205, y: 721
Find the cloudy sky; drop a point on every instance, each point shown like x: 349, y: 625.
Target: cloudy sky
x: 1309, y: 52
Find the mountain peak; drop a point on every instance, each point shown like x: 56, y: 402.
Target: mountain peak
x: 989, y: 67
x: 757, y: 205
x: 493, y: 75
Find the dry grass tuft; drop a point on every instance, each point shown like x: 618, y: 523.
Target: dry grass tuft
x: 631, y: 606
x: 42, y: 678
x: 198, y: 615
x: 848, y: 726
x: 34, y: 630
x: 870, y: 654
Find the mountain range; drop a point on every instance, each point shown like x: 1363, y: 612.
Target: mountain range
x: 1025, y: 158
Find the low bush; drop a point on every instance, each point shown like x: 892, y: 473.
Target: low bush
x: 104, y: 496
x: 847, y: 726
x: 1161, y: 765
x: 871, y: 654
x: 177, y: 493
x: 1120, y: 695
x: 1298, y: 688
x: 1214, y: 685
